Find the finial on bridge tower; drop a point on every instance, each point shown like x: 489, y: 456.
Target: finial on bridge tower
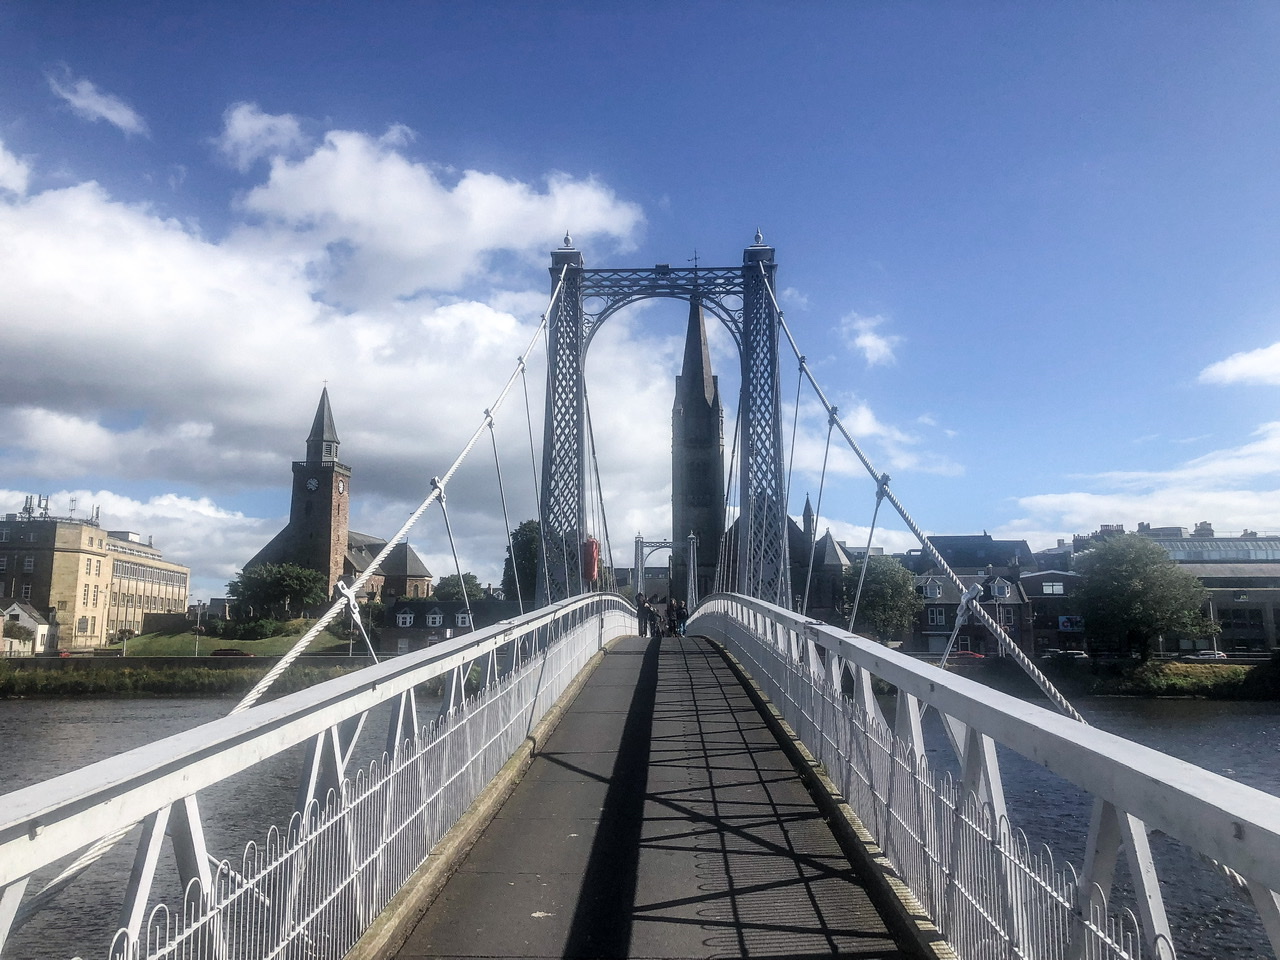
x: 759, y: 237
x: 568, y: 241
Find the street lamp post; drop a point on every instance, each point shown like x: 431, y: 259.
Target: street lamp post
x: 199, y: 610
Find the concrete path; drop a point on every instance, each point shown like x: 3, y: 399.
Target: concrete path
x: 661, y: 820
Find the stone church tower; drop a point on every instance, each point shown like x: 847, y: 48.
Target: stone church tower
x: 317, y: 535
x: 697, y: 462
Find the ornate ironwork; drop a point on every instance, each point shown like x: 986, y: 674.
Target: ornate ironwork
x: 739, y: 298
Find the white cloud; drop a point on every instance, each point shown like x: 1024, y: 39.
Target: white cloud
x: 93, y: 104
x: 860, y: 334
x: 14, y: 174
x: 1227, y: 487
x: 248, y: 135
x: 1261, y: 366
x: 377, y: 226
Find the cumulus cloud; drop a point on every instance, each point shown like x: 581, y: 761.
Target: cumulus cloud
x: 860, y: 334
x: 249, y: 134
x: 1234, y: 488
x: 378, y: 226
x: 1261, y: 366
x: 93, y: 104
x: 142, y: 352
x: 14, y: 174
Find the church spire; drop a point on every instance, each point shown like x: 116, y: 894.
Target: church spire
x: 322, y: 443
x: 695, y: 375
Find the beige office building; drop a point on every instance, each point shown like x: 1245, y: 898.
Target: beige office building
x: 87, y: 581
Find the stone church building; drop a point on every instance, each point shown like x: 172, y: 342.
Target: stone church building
x: 318, y: 536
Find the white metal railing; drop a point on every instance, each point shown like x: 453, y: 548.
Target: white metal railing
x: 950, y: 839
x: 311, y: 887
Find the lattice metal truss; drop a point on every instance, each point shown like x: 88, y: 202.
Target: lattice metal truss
x: 739, y: 298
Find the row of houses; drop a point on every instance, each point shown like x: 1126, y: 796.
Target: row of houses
x: 1034, y: 596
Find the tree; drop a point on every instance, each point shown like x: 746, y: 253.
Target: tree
x: 16, y: 631
x: 1133, y: 593
x: 448, y: 588
x: 526, y: 542
x: 279, y: 587
x: 889, y: 601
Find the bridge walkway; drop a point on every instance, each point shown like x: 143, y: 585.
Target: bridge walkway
x: 662, y: 819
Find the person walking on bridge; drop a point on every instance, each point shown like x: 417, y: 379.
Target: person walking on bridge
x: 642, y: 615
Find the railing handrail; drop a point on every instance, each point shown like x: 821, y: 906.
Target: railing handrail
x: 44, y: 822
x: 1221, y: 818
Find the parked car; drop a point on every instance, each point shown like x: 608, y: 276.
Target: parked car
x: 967, y: 655
x: 231, y: 652
x: 1206, y: 655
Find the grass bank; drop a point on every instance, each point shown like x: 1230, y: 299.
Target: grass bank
x: 1156, y: 678
x: 191, y: 681
x: 184, y: 644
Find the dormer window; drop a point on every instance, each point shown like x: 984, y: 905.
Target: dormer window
x: 464, y: 619
x: 435, y: 619
x: 404, y: 619
x: 932, y: 590
x: 1000, y: 589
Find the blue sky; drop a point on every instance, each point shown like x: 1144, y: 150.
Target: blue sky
x: 1030, y: 250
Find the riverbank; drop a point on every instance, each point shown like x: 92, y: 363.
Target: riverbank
x: 1130, y: 678
x: 125, y: 680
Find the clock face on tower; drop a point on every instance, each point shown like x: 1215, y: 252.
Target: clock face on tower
x: 342, y: 486
x: 313, y: 484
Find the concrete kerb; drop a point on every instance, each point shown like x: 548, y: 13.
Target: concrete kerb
x: 898, y: 905
x: 394, y: 925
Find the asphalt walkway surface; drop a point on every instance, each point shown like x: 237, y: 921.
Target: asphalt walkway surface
x: 661, y: 820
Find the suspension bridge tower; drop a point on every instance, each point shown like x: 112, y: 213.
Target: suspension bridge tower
x: 754, y: 558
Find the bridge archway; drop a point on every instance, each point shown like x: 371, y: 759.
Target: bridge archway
x: 741, y: 298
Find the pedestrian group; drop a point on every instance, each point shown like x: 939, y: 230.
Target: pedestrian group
x: 661, y: 617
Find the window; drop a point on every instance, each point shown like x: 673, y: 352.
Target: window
x: 937, y: 617
x: 82, y: 625
x: 88, y: 567
x: 435, y: 619
x: 97, y: 568
x: 404, y: 619
x: 95, y: 596
x: 62, y: 604
x: 1000, y: 589
x: 28, y: 564
x: 1051, y: 588
x: 26, y: 591
x: 4, y: 534
x: 2, y: 585
x: 93, y: 624
x: 86, y: 594
x: 1006, y: 616
x: 464, y: 620
x: 933, y: 590
x: 4, y: 564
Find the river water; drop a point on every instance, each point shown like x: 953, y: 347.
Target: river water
x: 44, y: 738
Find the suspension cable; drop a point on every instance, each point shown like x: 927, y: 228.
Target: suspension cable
x: 813, y: 537
x: 506, y: 522
x: 1003, y: 639
x: 453, y: 548
x: 533, y: 460
x: 606, y: 548
x: 866, y: 556
x: 795, y: 423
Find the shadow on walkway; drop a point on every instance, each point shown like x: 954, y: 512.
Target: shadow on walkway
x: 661, y: 820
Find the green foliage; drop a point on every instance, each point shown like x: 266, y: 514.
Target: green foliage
x: 146, y: 681
x: 889, y: 601
x: 278, y: 588
x: 16, y: 631
x: 183, y: 644
x: 526, y: 544
x: 1133, y: 593
x: 448, y: 588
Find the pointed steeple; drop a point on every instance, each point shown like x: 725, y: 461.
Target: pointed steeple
x: 695, y: 374
x: 808, y: 518
x: 322, y: 443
